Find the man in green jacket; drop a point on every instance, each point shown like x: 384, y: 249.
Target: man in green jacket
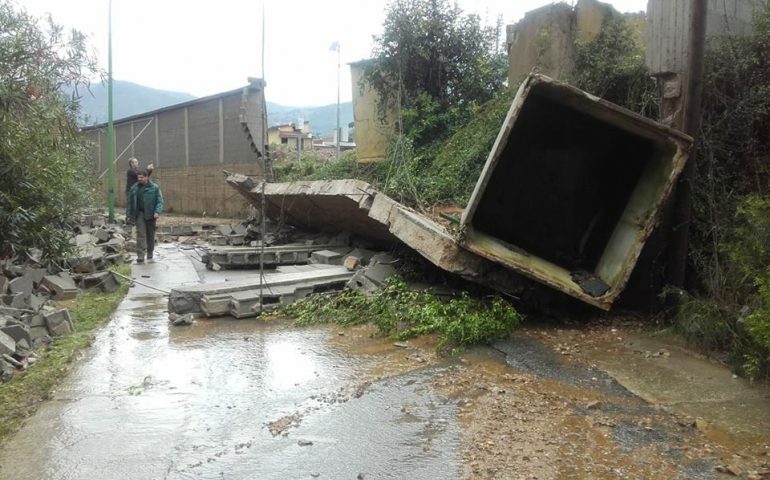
x: 145, y: 204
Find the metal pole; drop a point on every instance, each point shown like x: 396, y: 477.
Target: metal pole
x: 110, y: 126
x: 339, y: 133
x: 680, y: 237
x: 262, y: 244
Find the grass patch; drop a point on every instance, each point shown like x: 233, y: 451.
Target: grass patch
x: 401, y: 313
x: 20, y: 397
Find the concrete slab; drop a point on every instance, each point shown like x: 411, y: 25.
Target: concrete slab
x: 328, y: 257
x: 187, y: 299
x: 23, y: 284
x: 62, y: 286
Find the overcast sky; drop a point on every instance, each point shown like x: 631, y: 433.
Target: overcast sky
x: 207, y: 47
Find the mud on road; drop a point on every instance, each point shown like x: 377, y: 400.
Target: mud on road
x: 536, y: 406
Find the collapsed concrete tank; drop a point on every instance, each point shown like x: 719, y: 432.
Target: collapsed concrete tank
x: 571, y: 190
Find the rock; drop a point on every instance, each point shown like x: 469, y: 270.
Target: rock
x: 183, y: 320
x: 7, y: 344
x: 594, y: 405
x: 400, y: 345
x: 304, y: 443
x: 59, y: 322
x: 351, y: 262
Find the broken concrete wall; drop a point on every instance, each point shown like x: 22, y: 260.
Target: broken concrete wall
x: 357, y: 207
x: 546, y: 38
x: 571, y: 190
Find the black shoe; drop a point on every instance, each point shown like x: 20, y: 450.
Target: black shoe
x: 139, y: 260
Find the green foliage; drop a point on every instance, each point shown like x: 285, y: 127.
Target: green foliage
x: 445, y: 173
x: 730, y: 229
x: 732, y: 156
x: 315, y: 168
x: 402, y: 313
x: 433, y: 64
x: 612, y: 66
x: 42, y: 156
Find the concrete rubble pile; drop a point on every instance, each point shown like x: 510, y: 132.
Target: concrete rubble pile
x: 324, y: 269
x: 570, y: 193
x: 29, y: 291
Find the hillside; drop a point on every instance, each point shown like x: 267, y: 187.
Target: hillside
x: 128, y: 99
x: 131, y: 99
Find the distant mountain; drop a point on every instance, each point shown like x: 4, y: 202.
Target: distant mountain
x: 127, y: 99
x: 132, y: 99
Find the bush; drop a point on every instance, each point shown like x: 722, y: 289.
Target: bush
x: 43, y: 172
x: 402, y: 313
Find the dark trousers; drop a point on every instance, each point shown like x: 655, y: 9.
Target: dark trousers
x: 145, y: 236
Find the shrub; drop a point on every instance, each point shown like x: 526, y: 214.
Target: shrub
x: 402, y: 313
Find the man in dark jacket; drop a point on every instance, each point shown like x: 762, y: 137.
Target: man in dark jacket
x: 131, y: 179
x: 145, y: 204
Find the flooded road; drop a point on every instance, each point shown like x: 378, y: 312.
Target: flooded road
x: 230, y: 399
x: 248, y: 399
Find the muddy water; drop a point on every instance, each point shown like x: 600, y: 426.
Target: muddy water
x: 230, y: 399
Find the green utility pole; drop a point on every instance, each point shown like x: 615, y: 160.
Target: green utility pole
x: 110, y: 127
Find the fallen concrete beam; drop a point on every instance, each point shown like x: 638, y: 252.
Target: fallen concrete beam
x: 357, y: 207
x: 572, y: 189
x: 188, y: 299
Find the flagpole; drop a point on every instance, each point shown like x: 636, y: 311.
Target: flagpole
x: 110, y: 126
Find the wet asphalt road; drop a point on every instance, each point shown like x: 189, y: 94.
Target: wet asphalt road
x: 150, y: 401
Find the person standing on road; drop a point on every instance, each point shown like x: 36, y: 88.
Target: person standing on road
x: 145, y: 204
x: 131, y: 178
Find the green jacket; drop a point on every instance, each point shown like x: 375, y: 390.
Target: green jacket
x: 153, y: 200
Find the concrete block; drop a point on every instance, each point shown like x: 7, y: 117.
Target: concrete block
x: 110, y: 283
x: 17, y: 332
x: 327, y: 257
x: 239, y: 229
x: 218, y: 240
x: 83, y: 239
x: 15, y: 300
x: 21, y: 284
x: 59, y: 322
x: 36, y: 320
x: 7, y: 344
x: 36, y: 301
x: 62, y: 286
x: 224, y: 230
x: 39, y: 335
x: 101, y: 235
x: 236, y: 239
x: 37, y: 275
